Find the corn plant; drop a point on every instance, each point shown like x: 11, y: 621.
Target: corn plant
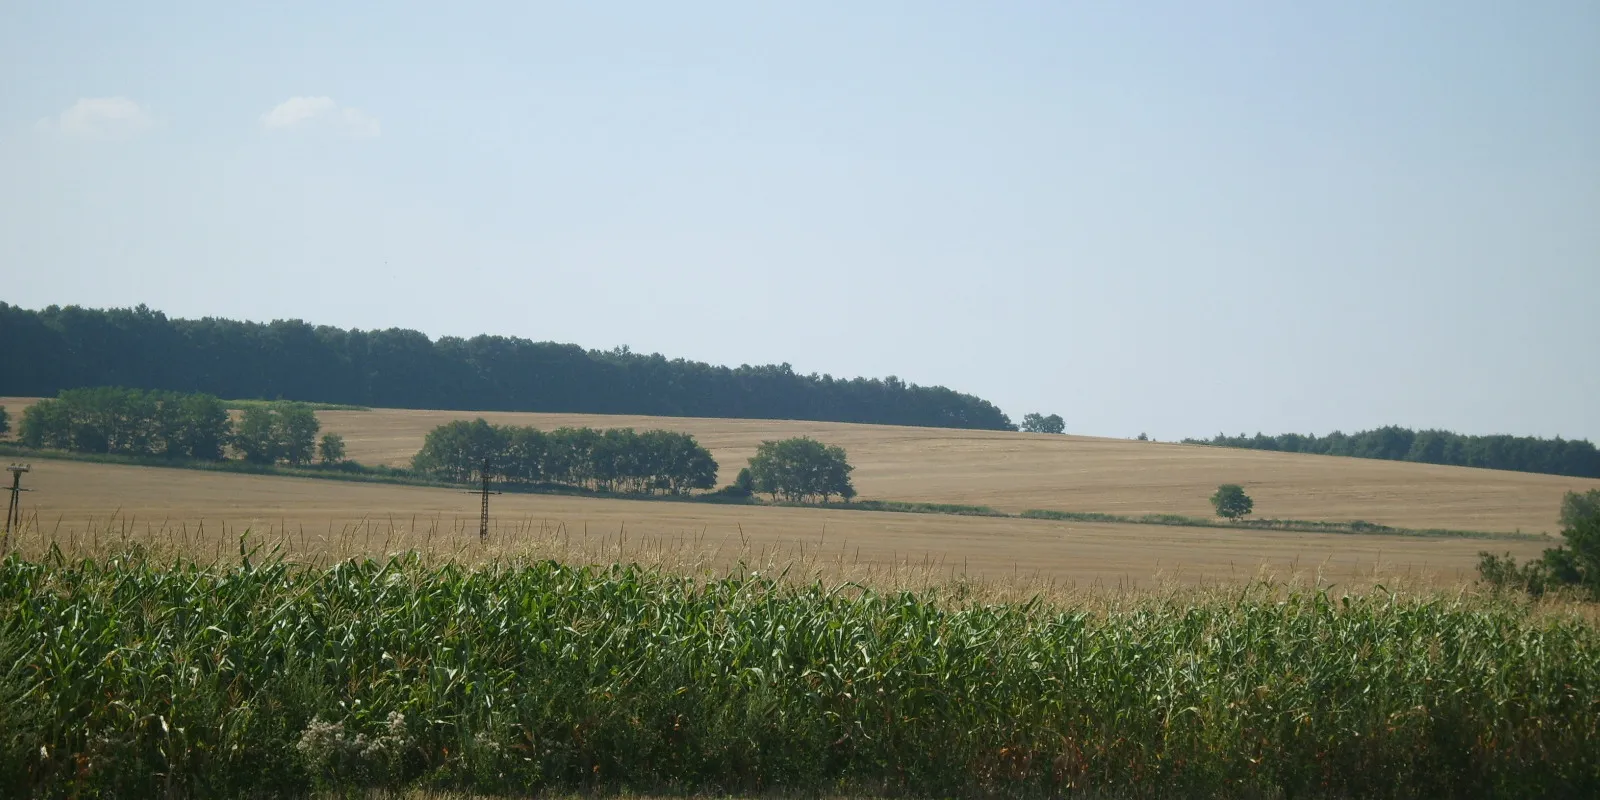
x: 129, y: 676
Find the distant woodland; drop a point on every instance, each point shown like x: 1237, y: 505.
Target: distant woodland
x: 1575, y: 457
x: 70, y: 347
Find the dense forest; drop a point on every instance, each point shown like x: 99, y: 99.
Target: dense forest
x: 1575, y: 457
x: 70, y: 347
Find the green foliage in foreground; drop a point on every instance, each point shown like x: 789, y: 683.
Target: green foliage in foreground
x: 1574, y: 566
x: 131, y: 678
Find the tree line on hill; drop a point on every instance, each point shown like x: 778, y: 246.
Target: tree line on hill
x: 1573, y: 457
x: 174, y: 425
x: 71, y: 347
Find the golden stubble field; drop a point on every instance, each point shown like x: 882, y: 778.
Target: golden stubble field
x: 79, y: 502
x: 1010, y: 471
x: 1018, y: 471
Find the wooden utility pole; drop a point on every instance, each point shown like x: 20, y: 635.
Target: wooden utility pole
x: 14, y: 509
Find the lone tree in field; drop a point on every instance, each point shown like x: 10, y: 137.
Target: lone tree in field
x: 1038, y: 423
x: 5, y: 420
x: 1231, y: 502
x: 801, y: 469
x: 331, y: 448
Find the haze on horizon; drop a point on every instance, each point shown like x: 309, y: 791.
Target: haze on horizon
x: 1169, y: 219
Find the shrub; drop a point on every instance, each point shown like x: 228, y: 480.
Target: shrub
x: 743, y: 485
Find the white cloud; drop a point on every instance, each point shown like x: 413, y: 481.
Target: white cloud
x: 321, y: 112
x: 101, y: 118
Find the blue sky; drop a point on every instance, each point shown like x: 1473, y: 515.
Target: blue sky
x: 1176, y: 217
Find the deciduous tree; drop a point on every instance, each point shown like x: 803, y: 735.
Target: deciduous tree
x: 460, y: 451
x: 801, y: 468
x: 1039, y: 423
x: 282, y: 431
x: 1231, y: 502
x: 331, y: 449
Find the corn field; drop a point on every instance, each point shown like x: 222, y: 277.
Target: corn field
x: 132, y: 675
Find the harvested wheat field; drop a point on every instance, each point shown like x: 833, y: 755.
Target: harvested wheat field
x: 1009, y: 471
x: 1018, y: 471
x: 81, y: 503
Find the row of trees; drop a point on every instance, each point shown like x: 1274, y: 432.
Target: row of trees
x: 627, y: 461
x: 69, y: 347
x: 616, y: 459
x: 135, y: 422
x: 1574, y: 457
x: 129, y: 422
